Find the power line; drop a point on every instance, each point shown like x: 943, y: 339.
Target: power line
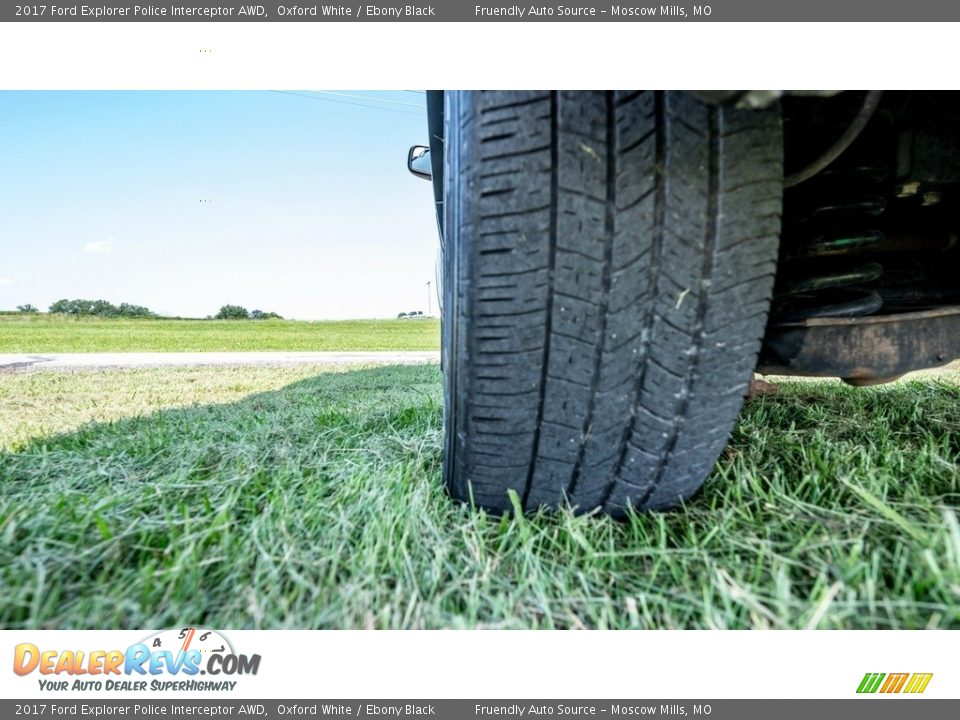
x: 347, y: 102
x: 367, y: 97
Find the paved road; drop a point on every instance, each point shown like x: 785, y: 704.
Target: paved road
x: 92, y: 361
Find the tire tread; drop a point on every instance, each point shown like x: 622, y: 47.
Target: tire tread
x: 616, y: 254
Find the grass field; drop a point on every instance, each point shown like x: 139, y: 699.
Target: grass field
x: 62, y: 334
x: 310, y: 498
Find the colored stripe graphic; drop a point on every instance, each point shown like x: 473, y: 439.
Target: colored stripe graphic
x: 894, y: 683
x: 918, y: 682
x: 870, y: 682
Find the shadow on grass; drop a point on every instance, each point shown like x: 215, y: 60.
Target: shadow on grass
x: 319, y: 505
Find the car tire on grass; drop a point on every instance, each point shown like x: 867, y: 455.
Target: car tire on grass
x: 608, y: 263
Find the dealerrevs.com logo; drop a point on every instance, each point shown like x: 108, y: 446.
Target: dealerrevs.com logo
x: 169, y: 660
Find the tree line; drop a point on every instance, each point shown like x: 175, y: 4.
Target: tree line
x: 238, y: 312
x: 101, y: 308
x: 104, y: 308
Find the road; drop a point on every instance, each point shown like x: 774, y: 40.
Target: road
x: 95, y: 361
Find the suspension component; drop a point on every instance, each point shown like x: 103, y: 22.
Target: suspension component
x: 867, y: 280
x: 828, y: 264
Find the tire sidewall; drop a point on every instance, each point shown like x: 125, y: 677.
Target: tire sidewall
x: 451, y: 327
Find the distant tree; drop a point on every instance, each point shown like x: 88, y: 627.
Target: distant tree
x: 401, y: 315
x: 100, y: 308
x: 261, y: 315
x: 233, y: 312
x: 81, y: 307
x: 72, y: 307
x: 133, y: 311
x: 28, y: 308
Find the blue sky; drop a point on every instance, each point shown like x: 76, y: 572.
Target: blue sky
x: 308, y: 207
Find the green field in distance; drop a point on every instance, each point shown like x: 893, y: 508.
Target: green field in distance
x: 62, y: 334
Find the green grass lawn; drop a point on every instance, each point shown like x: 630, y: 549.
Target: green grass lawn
x: 61, y: 334
x: 311, y: 498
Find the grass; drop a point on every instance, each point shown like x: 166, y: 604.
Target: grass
x: 61, y: 334
x: 311, y: 498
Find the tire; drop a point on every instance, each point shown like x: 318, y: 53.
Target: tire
x: 608, y: 262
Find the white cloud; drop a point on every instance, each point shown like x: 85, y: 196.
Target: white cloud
x: 5, y: 281
x: 98, y: 246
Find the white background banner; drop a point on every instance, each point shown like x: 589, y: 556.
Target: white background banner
x: 522, y: 664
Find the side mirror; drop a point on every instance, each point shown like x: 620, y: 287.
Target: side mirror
x: 418, y: 162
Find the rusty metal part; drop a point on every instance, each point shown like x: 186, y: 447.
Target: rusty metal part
x: 868, y: 381
x: 760, y: 387
x: 862, y: 351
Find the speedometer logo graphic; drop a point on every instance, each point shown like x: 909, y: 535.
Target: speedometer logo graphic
x: 181, y: 640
